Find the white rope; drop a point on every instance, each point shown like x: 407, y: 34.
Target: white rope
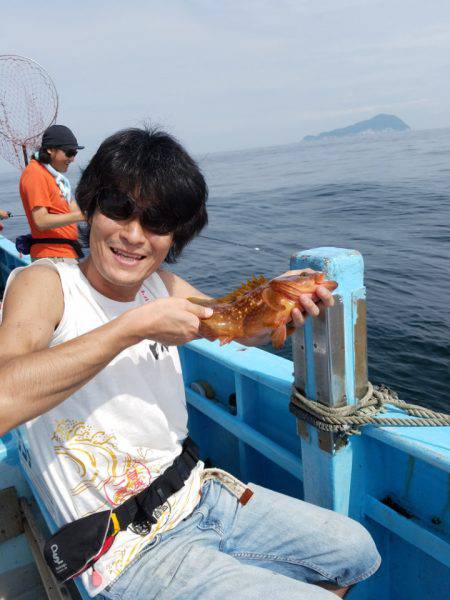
x: 347, y: 419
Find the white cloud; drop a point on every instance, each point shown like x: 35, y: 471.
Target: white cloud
x: 225, y: 75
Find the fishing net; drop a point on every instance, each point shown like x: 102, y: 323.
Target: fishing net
x: 28, y: 105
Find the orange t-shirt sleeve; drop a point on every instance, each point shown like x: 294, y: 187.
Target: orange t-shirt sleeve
x: 36, y: 191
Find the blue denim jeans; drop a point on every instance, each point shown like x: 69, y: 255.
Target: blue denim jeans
x: 274, y: 547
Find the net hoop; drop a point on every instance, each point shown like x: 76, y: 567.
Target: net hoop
x: 28, y: 105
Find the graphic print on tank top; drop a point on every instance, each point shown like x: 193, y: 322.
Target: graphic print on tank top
x: 92, y: 453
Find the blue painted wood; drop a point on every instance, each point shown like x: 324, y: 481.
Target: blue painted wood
x: 247, y: 399
x: 259, y: 443
x: 9, y: 259
x: 347, y: 268
x: 15, y: 552
x: 330, y: 476
x: 430, y: 444
x: 406, y: 466
x: 411, y: 531
x: 244, y: 433
x: 8, y: 448
x: 271, y: 370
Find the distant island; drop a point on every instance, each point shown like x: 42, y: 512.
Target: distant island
x: 381, y: 123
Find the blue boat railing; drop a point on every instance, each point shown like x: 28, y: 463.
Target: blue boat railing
x: 260, y: 384
x: 9, y: 259
x: 394, y: 480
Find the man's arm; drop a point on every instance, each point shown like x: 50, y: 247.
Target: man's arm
x: 35, y: 378
x: 45, y: 220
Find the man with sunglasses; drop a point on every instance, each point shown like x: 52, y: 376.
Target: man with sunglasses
x: 89, y: 364
x: 51, y: 211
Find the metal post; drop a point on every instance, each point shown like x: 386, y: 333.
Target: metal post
x: 330, y: 366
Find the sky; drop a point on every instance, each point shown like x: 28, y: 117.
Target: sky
x: 225, y: 75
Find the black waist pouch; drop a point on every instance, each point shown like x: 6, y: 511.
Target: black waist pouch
x: 76, y: 546
x: 24, y: 243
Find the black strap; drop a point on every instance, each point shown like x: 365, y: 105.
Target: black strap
x: 138, y: 510
x: 74, y: 243
x: 79, y: 544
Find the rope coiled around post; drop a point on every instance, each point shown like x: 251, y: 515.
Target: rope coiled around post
x: 347, y: 419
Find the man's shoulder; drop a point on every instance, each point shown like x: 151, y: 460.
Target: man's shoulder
x: 35, y: 289
x: 41, y: 275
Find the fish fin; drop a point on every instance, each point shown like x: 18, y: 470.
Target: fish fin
x: 225, y: 340
x: 278, y: 336
x: 244, y: 288
x: 203, y: 301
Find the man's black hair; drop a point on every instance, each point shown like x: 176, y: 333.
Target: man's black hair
x: 153, y: 169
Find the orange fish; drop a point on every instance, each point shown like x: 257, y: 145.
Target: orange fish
x: 259, y: 305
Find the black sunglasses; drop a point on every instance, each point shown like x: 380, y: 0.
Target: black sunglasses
x: 120, y: 207
x: 70, y: 153
x: 116, y: 206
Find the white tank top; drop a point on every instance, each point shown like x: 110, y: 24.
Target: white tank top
x: 117, y: 433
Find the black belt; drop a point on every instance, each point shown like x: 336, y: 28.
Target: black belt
x: 78, y: 545
x: 24, y: 243
x: 138, y: 510
x: 75, y: 244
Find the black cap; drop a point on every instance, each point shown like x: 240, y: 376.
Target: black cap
x: 59, y: 136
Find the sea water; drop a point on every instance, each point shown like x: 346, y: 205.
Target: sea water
x: 386, y: 196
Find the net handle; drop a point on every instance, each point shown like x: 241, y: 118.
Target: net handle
x: 25, y: 156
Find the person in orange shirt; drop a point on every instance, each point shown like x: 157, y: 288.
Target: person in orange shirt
x: 51, y: 211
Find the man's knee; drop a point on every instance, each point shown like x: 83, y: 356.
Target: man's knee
x: 358, y: 554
